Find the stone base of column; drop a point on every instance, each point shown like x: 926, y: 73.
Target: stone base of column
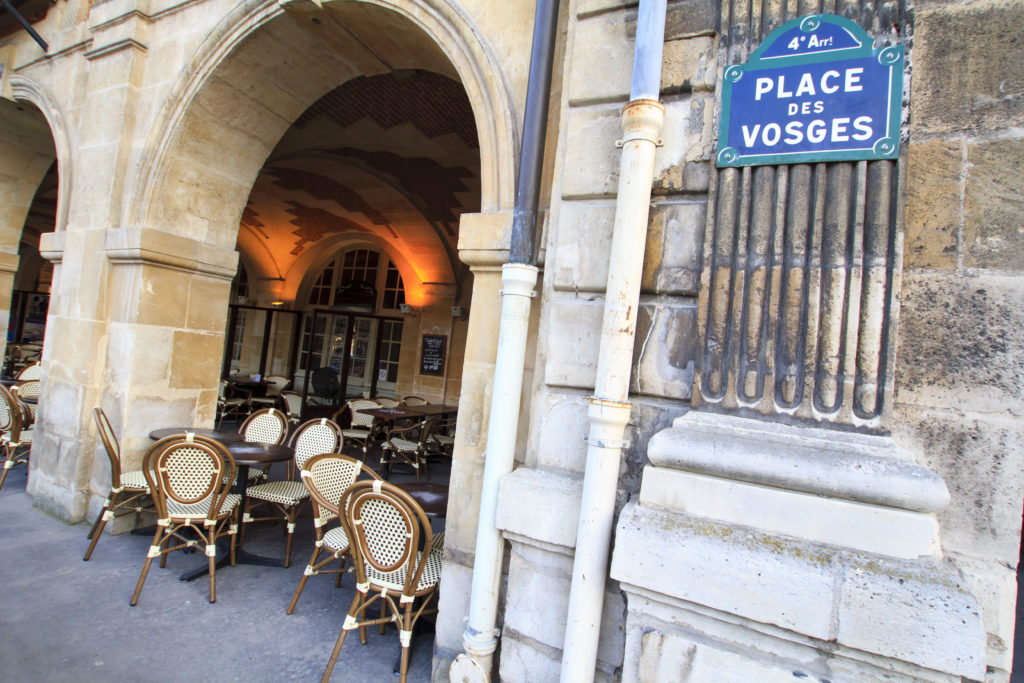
x: 760, y: 551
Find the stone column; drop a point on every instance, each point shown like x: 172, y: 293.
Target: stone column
x: 794, y: 526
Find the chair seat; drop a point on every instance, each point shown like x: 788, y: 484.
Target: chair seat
x: 443, y: 439
x: 26, y: 437
x: 198, y: 510
x: 355, y: 433
x: 403, y: 444
x: 336, y: 540
x: 283, y: 492
x: 134, y: 480
x: 395, y: 581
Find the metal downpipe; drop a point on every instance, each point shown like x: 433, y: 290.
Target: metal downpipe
x: 609, y: 409
x: 519, y: 276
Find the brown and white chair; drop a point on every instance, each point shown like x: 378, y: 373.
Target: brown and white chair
x: 287, y: 497
x: 128, y: 489
x: 414, y: 401
x: 326, y: 477
x: 268, y: 425
x: 292, y: 405
x: 397, y: 561
x: 30, y: 371
x: 408, y: 445
x: 229, y: 406
x: 28, y: 390
x: 190, y: 477
x: 15, y: 432
x: 363, y: 428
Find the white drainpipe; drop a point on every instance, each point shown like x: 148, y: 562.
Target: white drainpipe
x: 609, y: 409
x: 480, y: 638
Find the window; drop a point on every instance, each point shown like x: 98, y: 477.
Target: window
x: 320, y: 294
x: 394, y: 289
x: 239, y: 336
x: 390, y: 350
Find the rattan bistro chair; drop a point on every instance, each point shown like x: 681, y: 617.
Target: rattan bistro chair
x: 409, y: 446
x: 28, y: 389
x: 127, y: 489
x: 268, y: 425
x: 15, y: 436
x: 292, y: 405
x: 275, y: 385
x: 288, y: 497
x: 326, y: 477
x: 387, y: 528
x: 190, y: 477
x: 229, y: 406
x: 363, y: 425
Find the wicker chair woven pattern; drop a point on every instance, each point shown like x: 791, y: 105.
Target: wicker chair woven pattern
x: 188, y: 475
x: 265, y: 426
x: 319, y: 437
x: 134, y: 480
x: 198, y: 510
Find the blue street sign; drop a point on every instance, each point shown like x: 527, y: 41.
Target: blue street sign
x: 815, y: 90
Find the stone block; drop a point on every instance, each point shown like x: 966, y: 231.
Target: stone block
x: 196, y: 359
x: 961, y: 343
x: 601, y: 61
x: 979, y: 459
x: 532, y: 572
x: 707, y: 563
x: 582, y: 242
x: 541, y: 505
x: 869, y: 528
x: 680, y: 162
x: 673, y: 254
x: 453, y: 605
x: 464, y: 495
x: 591, y: 164
x: 138, y: 355
x: 559, y: 424
x: 665, y: 350
x: 523, y: 662
x: 573, y: 343
x: 932, y: 214
x: 994, y: 585
x: 994, y: 204
x: 670, y: 658
x: 929, y: 619
x: 967, y: 70
x: 207, y: 304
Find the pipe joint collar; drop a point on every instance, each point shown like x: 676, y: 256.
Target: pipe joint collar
x: 643, y: 120
x: 478, y: 643
x: 607, y: 415
x: 518, y: 279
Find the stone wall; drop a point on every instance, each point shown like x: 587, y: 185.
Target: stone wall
x: 960, y: 359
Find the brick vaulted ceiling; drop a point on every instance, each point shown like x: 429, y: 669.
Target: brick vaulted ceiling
x: 393, y: 156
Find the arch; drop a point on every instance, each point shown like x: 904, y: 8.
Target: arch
x: 440, y: 20
x: 298, y: 282
x: 27, y: 90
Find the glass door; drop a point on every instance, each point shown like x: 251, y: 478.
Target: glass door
x: 361, y: 357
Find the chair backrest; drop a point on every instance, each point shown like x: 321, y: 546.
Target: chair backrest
x: 12, y: 415
x: 110, y: 444
x: 386, y: 402
x: 385, y: 528
x: 326, y: 476
x: 34, y: 371
x: 314, y: 437
x: 28, y: 388
x: 293, y: 404
x: 268, y: 425
x: 275, y: 384
x: 189, y: 470
x: 414, y: 401
x: 362, y: 420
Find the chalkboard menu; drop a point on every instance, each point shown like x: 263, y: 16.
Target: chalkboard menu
x: 432, y: 358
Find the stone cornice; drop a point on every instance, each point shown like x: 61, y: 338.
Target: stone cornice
x: 152, y: 247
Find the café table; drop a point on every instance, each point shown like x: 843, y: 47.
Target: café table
x: 432, y: 409
x: 246, y: 454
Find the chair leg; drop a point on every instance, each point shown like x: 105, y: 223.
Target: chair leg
x: 212, y: 558
x: 405, y: 627
x: 302, y: 581
x: 154, y: 547
x: 97, y: 531
x: 8, y: 464
x: 352, y: 612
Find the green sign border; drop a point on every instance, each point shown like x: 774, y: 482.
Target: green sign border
x: 885, y: 148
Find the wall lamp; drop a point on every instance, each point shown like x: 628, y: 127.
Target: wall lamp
x: 406, y: 309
